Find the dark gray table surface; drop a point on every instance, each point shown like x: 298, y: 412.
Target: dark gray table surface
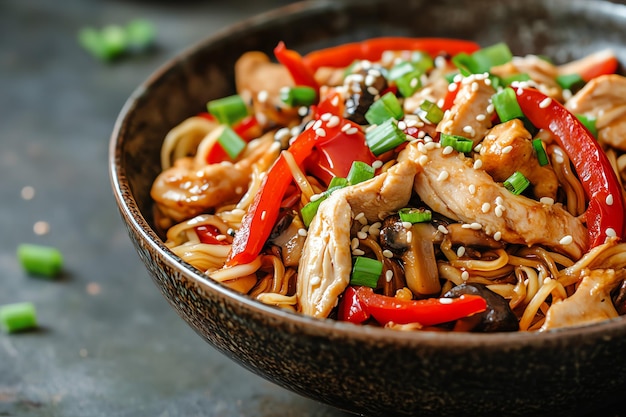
x: 108, y: 343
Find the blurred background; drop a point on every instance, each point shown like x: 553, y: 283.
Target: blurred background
x: 108, y: 344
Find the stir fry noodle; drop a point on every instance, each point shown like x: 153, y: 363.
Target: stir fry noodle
x: 411, y: 183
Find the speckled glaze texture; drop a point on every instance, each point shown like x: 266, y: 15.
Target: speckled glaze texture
x: 366, y: 370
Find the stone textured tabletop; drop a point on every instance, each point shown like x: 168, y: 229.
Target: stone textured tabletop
x: 108, y: 342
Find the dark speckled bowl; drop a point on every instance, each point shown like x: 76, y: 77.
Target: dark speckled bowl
x: 370, y: 370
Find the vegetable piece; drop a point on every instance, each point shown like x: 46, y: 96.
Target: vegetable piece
x: 514, y: 78
x: 590, y: 123
x: 430, y: 111
x: 301, y: 72
x: 458, y: 143
x: 45, y: 261
x: 427, y: 312
x: 542, y: 157
x: 140, y: 34
x: 298, y: 96
x: 343, y: 55
x: 406, y: 77
x: 231, y: 142
x: 228, y: 110
x: 384, y: 108
x: 516, y: 183
x: 111, y: 41
x: 310, y: 209
x: 385, y: 137
x: 207, y: 233
x: 18, y: 317
x: 591, y: 66
x: 483, y: 60
x: 359, y: 172
x: 366, y: 271
x: 414, y: 215
x: 605, y: 212
x: 351, y: 308
x: 505, y: 104
x: 338, y: 182
x: 570, y: 81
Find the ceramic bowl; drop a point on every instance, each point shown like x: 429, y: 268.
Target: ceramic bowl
x: 369, y: 370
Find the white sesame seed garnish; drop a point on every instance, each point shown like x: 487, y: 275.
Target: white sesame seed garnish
x: 354, y: 243
x: 567, y: 94
x: 263, y: 215
x: 559, y: 159
x: 548, y: 201
x: 610, y: 232
x: 407, y: 225
x: 447, y: 150
x: 335, y: 101
x: 365, y: 228
x: 423, y: 160
x: 609, y: 200
x: 358, y: 252
x: 282, y: 133
x: 478, y: 147
x: 485, y: 207
x: 409, y: 236
x: 442, y: 229
x: 303, y: 111
x: 387, y: 253
x: 262, y: 96
x: 452, y: 87
x: 346, y: 127
x: 372, y: 90
x: 460, y: 251
x: 302, y: 232
x: 361, y: 235
x: 545, y: 102
x: 315, y: 280
x: 474, y: 86
x: 469, y: 130
x: 315, y: 197
x: 497, y: 236
x: 480, y: 117
x: 465, y: 275
x: 519, y: 91
x: 333, y: 121
x: 499, y: 211
x: 431, y: 145
x: 507, y: 149
x: 478, y: 164
x: 326, y: 116
x: 41, y: 227
x: 28, y: 193
x: 566, y: 240
x: 466, y: 226
x: 488, y: 81
x: 401, y: 125
x: 377, y: 164
x: 443, y: 175
x: 476, y: 226
x: 472, y: 189
x: 389, y: 275
x: 320, y: 132
x: 444, y: 300
x: 352, y: 131
x: 361, y: 218
x: 499, y: 200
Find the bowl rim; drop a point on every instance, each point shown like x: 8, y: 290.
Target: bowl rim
x: 133, y: 218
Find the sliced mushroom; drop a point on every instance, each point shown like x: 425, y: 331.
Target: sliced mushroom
x: 286, y: 235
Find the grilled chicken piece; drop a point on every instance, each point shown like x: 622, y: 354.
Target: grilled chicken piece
x: 470, y: 115
x: 434, y: 89
x: 451, y: 186
x: 508, y: 148
x: 326, y: 262
x: 259, y: 81
x: 538, y: 69
x: 604, y: 97
x: 590, y: 303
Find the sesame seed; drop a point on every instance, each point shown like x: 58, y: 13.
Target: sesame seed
x: 465, y: 275
x: 466, y: 226
x: 346, y: 127
x: 478, y: 164
x: 302, y: 232
x: 548, y: 201
x: 262, y: 96
x: 545, y: 102
x: 320, y: 132
x: 377, y: 164
x: 446, y: 300
x: 443, y: 175
x: 358, y: 252
x: 476, y: 226
x: 263, y: 215
x: 335, y: 101
x: 498, y: 211
x: 361, y: 218
x: 387, y: 253
x: 315, y: 280
x: 326, y: 116
x: 401, y: 125
x: 315, y: 197
x: 361, y: 235
x: 409, y: 236
x: 478, y: 147
x: 41, y: 227
x: 389, y: 275
x: 490, y: 109
x: 485, y: 207
x: 566, y: 240
x: 458, y: 78
x: 480, y: 117
x: 448, y: 150
x: 460, y: 251
x: 559, y: 159
x: 333, y: 121
x: 423, y: 160
x: 499, y: 200
x: 519, y: 91
x: 220, y: 237
x: 610, y: 232
x: 474, y: 86
x: 365, y: 228
x: 472, y: 189
x: 431, y: 145
x: 452, y: 87
x: 440, y: 62
x: 352, y: 131
x: 281, y: 134
x: 354, y: 243
x: 507, y: 149
x: 488, y: 81
x: 372, y: 90
x: 303, y: 111
x: 442, y: 229
x: 414, y: 82
x: 567, y: 94
x: 609, y: 200
x: 407, y: 225
x: 230, y: 231
x: 28, y: 193
x: 316, y: 125
x: 497, y: 236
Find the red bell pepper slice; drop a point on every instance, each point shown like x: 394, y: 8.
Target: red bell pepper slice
x: 208, y: 233
x: 427, y: 312
x: 351, y: 308
x: 372, y: 50
x: 599, y: 63
x: 590, y: 162
x: 301, y: 73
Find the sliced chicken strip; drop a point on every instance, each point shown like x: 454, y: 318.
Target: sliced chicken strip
x: 451, y: 186
x: 326, y: 262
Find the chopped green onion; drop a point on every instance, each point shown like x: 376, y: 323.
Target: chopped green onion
x: 463, y: 62
x: 515, y: 78
x: 406, y: 76
x: 228, y: 110
x: 338, y: 182
x: 366, y: 271
x: 458, y: 143
x: 431, y: 112
x: 384, y: 108
x: 384, y: 137
x: 414, y: 215
x: 540, y: 151
x: 140, y: 34
x: 491, y: 56
x: 505, y: 104
x: 298, y: 96
x: 570, y: 81
x: 309, y: 210
x: 40, y: 260
x: 516, y: 183
x: 422, y: 61
x: 112, y: 41
x: 231, y: 142
x: 450, y: 76
x: 359, y: 172
x: 590, y: 123
x: 18, y: 317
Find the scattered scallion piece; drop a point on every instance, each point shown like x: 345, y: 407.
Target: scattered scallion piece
x: 406, y: 77
x: 140, y: 34
x: 505, y: 104
x: 231, y: 142
x: 589, y: 122
x: 112, y: 41
x: 309, y: 210
x: 570, y: 81
x: 338, y: 182
x: 516, y: 183
x: 431, y: 112
x: 384, y: 108
x: 515, y: 78
x: 422, y: 60
x: 540, y: 151
x: 298, y: 96
x: 366, y: 271
x: 384, y: 137
x: 228, y: 110
x: 18, y: 317
x: 458, y: 143
x: 414, y: 215
x: 359, y: 172
x: 40, y: 260
x: 491, y: 56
